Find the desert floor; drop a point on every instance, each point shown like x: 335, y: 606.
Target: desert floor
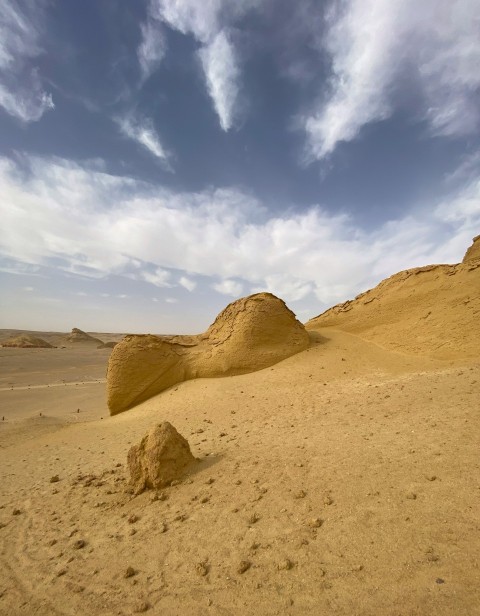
x: 343, y: 480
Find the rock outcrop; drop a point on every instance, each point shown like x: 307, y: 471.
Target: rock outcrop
x: 473, y: 253
x: 432, y: 311
x: 77, y: 335
x: 27, y: 341
x: 250, y: 334
x: 161, y: 456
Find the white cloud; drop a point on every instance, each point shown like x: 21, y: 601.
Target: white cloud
x: 221, y: 70
x: 152, y: 48
x: 187, y: 283
x: 159, y: 278
x: 171, y: 300
x: 21, y: 91
x: 143, y: 131
x: 208, y: 22
x: 28, y: 289
x: 83, y: 220
x: 202, y: 19
x: 376, y: 46
x: 228, y: 287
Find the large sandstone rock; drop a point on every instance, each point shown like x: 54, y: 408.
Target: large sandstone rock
x: 251, y: 333
x: 27, y: 341
x: 161, y: 456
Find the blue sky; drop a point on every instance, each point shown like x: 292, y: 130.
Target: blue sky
x: 160, y: 158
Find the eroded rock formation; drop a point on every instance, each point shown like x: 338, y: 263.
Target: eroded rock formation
x: 250, y: 334
x: 77, y: 335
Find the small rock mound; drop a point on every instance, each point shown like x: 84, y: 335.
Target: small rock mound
x: 26, y: 341
x: 250, y: 334
x: 161, y: 456
x: 107, y: 345
x: 78, y: 335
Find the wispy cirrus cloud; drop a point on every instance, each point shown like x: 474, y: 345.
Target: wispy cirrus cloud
x: 209, y: 23
x: 222, y: 73
x: 21, y: 90
x: 378, y: 46
x: 85, y: 221
x: 153, y: 46
x: 143, y: 132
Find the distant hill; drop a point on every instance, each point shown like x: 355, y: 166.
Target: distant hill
x: 432, y: 310
x: 77, y: 335
x: 27, y: 341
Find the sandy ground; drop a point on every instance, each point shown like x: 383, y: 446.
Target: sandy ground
x: 343, y: 480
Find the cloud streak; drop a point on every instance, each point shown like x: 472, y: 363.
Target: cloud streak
x: 376, y: 46
x: 93, y: 224
x: 221, y: 70
x: 209, y: 23
x: 21, y: 91
x: 143, y: 132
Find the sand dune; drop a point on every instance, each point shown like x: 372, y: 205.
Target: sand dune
x: 341, y: 480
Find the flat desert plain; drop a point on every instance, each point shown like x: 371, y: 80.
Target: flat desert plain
x: 342, y: 480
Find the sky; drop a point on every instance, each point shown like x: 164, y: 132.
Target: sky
x: 162, y: 158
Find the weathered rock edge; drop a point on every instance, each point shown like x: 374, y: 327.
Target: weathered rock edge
x: 249, y: 334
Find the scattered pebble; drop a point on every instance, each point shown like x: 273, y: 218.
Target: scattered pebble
x: 315, y: 522
x: 411, y: 496
x: 140, y: 607
x: 285, y: 565
x: 129, y: 572
x: 431, y: 477
x: 253, y: 518
x: 16, y: 512
x: 202, y: 568
x: 243, y: 566
x: 439, y: 581
x: 61, y: 572
x: 79, y: 544
x: 300, y: 494
x: 328, y: 500
x: 54, y: 479
x: 133, y: 518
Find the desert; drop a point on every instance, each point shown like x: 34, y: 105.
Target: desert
x: 340, y: 479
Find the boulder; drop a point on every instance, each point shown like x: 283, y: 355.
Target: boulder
x: 161, y: 456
